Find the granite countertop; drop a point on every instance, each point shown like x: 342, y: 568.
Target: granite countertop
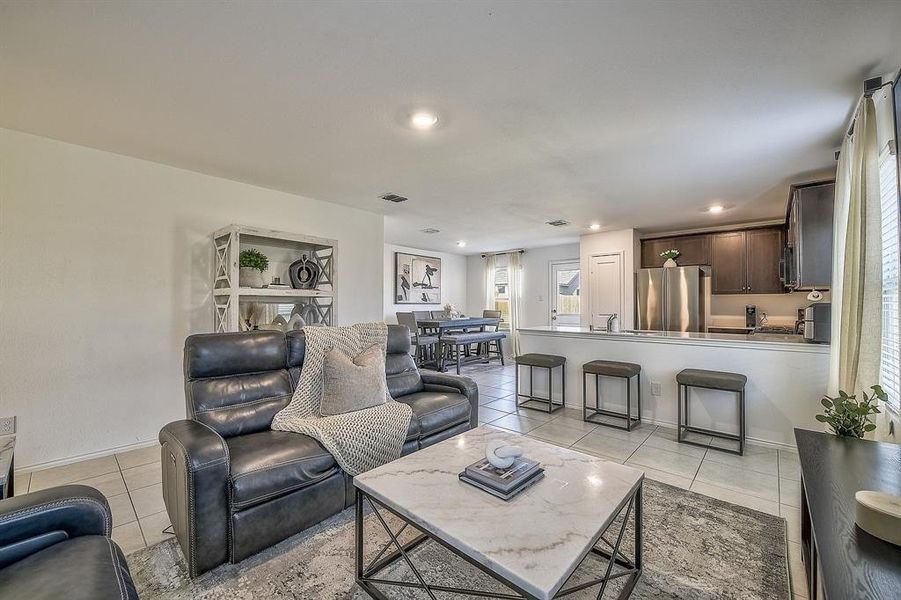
x: 774, y: 340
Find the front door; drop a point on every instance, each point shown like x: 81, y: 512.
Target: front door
x: 566, y: 291
x: 606, y: 288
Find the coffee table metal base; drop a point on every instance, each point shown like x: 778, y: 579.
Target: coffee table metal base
x: 366, y: 576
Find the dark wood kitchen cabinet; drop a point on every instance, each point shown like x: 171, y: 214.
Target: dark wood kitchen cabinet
x: 730, y: 262
x: 694, y: 249
x: 747, y: 262
x: 764, y: 253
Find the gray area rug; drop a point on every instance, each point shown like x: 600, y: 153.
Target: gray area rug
x: 695, y: 547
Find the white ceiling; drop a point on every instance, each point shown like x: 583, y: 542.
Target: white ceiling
x: 632, y: 114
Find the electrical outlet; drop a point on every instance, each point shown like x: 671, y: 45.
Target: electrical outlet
x: 655, y: 388
x: 7, y: 425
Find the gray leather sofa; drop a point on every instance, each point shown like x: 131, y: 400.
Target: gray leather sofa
x: 231, y: 485
x: 56, y: 543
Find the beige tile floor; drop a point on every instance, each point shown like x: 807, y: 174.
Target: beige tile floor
x: 131, y: 482
x: 764, y: 479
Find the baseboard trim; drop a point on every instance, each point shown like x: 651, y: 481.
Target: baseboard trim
x: 752, y: 440
x: 74, y: 459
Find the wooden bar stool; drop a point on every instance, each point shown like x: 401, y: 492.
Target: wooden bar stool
x: 711, y: 380
x: 541, y: 361
x: 611, y: 368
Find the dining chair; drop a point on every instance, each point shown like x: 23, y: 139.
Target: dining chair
x: 423, y: 346
x: 492, y: 314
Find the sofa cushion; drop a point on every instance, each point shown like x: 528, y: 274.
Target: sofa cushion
x: 89, y: 567
x: 268, y: 464
x: 350, y: 385
x: 436, y: 411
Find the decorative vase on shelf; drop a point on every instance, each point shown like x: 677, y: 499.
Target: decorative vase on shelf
x: 250, y: 277
x: 304, y: 273
x: 669, y: 262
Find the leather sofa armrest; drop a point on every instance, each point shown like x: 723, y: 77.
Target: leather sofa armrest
x: 195, y: 465
x: 35, y: 521
x: 444, y: 382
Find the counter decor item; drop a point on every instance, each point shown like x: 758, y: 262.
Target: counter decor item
x: 277, y: 284
x: 670, y: 256
x: 251, y: 263
x: 849, y: 418
x: 304, y: 273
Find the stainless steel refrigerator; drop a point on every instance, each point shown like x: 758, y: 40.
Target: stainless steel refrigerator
x: 673, y: 299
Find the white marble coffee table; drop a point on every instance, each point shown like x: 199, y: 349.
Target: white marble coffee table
x: 533, y: 543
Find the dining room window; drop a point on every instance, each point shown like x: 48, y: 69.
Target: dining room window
x: 502, y: 291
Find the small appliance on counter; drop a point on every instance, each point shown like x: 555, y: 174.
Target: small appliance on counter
x: 751, y: 316
x: 818, y: 323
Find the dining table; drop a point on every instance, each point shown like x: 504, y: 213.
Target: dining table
x: 442, y: 325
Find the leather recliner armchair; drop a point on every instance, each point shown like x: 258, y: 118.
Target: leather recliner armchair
x: 232, y: 486
x: 56, y: 543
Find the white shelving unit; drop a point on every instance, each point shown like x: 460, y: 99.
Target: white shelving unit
x: 282, y: 248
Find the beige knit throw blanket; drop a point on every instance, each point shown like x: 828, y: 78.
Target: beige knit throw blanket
x: 359, y: 440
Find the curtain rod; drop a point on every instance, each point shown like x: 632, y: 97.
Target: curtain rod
x: 487, y: 254
x: 867, y: 93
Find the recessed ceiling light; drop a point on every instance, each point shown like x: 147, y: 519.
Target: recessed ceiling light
x: 461, y: 243
x: 431, y: 230
x: 594, y: 226
x: 558, y: 223
x: 423, y: 120
x: 716, y: 208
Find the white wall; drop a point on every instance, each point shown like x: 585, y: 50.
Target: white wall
x: 623, y: 241
x: 535, y: 281
x: 105, y: 267
x: 453, y: 281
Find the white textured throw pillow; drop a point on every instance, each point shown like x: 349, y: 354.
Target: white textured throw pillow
x: 351, y: 385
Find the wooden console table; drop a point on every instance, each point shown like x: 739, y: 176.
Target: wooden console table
x: 842, y: 561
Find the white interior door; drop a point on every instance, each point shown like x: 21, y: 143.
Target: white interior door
x: 606, y: 288
x: 566, y: 293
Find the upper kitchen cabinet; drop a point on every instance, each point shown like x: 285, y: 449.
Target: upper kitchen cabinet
x: 730, y: 262
x: 764, y: 253
x: 747, y: 262
x: 808, y: 249
x: 694, y: 250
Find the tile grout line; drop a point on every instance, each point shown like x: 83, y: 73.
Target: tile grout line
x: 131, y: 501
x: 700, y: 464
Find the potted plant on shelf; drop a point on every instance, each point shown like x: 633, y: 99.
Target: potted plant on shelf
x: 849, y: 418
x: 670, y: 256
x: 251, y: 263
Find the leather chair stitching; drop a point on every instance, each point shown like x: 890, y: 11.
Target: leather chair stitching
x: 278, y: 464
x: 438, y: 410
x: 242, y: 404
x: 248, y: 503
x: 20, y: 514
x: 117, y: 567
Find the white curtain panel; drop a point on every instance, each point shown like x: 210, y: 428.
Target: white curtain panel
x: 490, y: 268
x: 857, y: 264
x: 514, y: 274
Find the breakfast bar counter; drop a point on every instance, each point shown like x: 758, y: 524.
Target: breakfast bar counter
x: 786, y: 376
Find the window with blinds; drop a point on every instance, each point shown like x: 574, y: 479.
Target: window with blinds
x: 890, y: 364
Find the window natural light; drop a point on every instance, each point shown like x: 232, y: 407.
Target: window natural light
x: 890, y: 363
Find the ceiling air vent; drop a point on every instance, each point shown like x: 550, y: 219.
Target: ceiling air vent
x: 389, y: 197
x: 558, y: 223
x: 430, y: 230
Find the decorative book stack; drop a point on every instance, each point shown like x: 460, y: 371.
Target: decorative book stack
x: 503, y: 483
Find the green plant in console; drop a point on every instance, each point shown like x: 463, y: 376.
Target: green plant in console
x: 848, y: 417
x: 254, y: 259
